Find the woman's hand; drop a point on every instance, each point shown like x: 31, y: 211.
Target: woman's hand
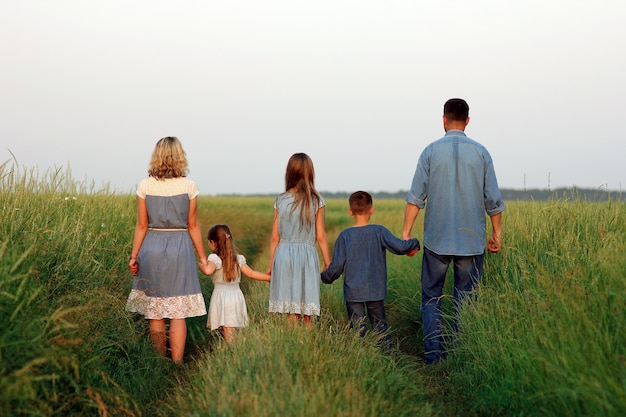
x: 133, y: 266
x: 206, y: 267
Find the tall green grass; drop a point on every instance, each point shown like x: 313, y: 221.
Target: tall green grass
x: 277, y: 370
x: 545, y: 338
x: 62, y: 285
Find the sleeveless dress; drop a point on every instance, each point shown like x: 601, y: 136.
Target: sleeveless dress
x: 167, y: 285
x: 295, y: 284
x: 227, y: 306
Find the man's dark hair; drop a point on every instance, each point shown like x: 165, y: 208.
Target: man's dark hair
x: 456, y: 109
x: 360, y: 202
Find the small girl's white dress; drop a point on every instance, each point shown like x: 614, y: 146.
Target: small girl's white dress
x: 227, y: 307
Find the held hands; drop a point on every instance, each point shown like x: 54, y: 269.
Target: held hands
x: 406, y: 236
x: 413, y: 252
x: 204, y: 267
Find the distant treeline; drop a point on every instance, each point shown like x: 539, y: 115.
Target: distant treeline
x: 589, y: 194
x: 594, y: 195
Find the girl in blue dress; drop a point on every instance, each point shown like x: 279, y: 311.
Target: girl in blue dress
x: 294, y: 261
x: 163, y: 262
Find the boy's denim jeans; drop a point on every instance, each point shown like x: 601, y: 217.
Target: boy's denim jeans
x: 467, y: 273
x: 377, y: 317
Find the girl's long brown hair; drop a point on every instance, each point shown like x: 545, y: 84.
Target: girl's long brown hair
x: 226, y: 250
x: 300, y: 175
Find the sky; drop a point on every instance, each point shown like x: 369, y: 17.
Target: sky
x: 358, y: 85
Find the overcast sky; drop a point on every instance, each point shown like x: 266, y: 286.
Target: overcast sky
x: 358, y: 85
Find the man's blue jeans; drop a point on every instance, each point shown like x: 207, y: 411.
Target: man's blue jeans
x: 377, y: 317
x: 467, y: 273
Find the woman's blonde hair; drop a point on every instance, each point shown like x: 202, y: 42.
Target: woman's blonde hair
x: 168, y: 159
x: 226, y: 250
x: 300, y: 175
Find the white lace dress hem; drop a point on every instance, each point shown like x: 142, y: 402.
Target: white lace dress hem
x: 156, y: 308
x: 290, y: 307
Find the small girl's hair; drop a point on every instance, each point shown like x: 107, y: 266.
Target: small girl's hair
x: 300, y: 174
x: 168, y: 159
x: 225, y: 248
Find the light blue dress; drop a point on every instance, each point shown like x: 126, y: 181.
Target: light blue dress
x: 167, y: 285
x: 295, y: 284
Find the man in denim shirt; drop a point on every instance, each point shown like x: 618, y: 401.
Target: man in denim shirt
x: 455, y: 175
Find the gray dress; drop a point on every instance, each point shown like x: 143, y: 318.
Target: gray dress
x: 167, y: 285
x: 295, y: 284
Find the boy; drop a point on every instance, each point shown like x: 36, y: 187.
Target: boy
x: 360, y: 254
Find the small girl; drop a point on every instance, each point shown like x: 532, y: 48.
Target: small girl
x: 298, y: 226
x: 227, y: 308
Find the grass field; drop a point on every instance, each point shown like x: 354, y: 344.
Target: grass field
x: 547, y: 337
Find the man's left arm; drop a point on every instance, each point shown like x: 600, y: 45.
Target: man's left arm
x: 495, y: 243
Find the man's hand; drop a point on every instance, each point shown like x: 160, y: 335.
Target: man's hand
x: 494, y: 245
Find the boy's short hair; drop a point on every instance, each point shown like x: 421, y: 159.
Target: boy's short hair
x: 360, y: 202
x: 456, y: 109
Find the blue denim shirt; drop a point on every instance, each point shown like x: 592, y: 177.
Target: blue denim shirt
x: 360, y: 254
x: 456, y: 181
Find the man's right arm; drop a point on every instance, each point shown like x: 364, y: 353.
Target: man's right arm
x: 410, y: 214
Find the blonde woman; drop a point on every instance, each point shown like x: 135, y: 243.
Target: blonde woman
x: 166, y: 284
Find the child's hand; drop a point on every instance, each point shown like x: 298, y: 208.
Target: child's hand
x: 203, y: 265
x: 413, y: 252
